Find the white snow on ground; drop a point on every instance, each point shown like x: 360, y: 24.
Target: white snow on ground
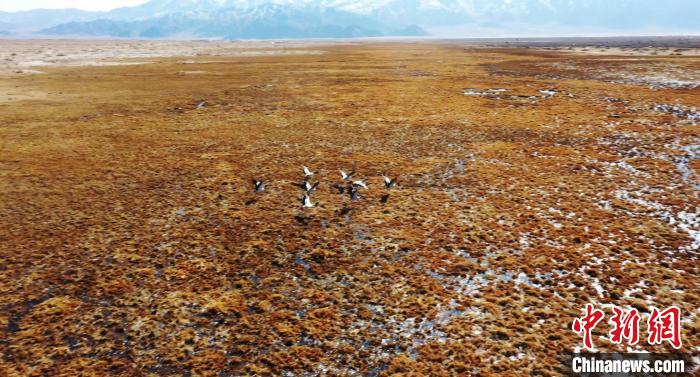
x: 686, y: 222
x: 683, y: 164
x: 484, y: 92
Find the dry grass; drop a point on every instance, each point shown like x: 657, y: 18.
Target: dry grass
x: 131, y: 241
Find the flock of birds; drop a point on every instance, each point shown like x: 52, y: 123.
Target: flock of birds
x: 352, y: 187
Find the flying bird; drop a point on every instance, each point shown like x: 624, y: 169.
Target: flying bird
x: 259, y: 186
x: 354, y: 193
x: 309, y: 188
x: 307, y: 173
x: 306, y: 202
x: 346, y: 176
x: 388, y: 182
x: 360, y: 183
x: 340, y: 188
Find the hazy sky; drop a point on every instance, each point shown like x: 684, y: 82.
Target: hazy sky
x: 15, y: 5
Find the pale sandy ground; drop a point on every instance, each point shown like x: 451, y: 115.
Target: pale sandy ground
x: 30, y: 56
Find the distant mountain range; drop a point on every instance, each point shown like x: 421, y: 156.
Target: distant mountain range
x: 235, y: 19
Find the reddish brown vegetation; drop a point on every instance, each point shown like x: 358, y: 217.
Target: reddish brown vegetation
x: 131, y: 241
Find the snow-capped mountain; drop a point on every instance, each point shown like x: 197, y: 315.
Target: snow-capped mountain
x: 347, y: 18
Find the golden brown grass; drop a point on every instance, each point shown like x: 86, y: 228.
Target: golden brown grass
x: 131, y: 242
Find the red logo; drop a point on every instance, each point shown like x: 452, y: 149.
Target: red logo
x: 626, y: 327
x: 665, y: 326
x: 662, y: 326
x: 587, y: 323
